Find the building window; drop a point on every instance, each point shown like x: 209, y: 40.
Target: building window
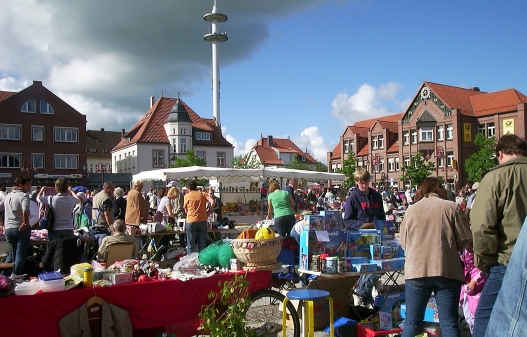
x: 66, y: 161
x: 45, y: 108
x: 183, y: 131
x: 406, y: 137
x: 426, y: 134
x: 352, y: 145
x: 449, y: 131
x: 449, y: 158
x: 91, y: 168
x: 29, y: 106
x: 381, y: 142
x: 380, y: 166
x: 406, y: 160
x: 183, y: 146
x: 201, y: 155
x: 202, y: 135
x: 440, y: 132
x: 68, y: 135
x: 374, y: 142
x: 391, y: 165
x: 10, y: 160
x: 346, y: 146
x: 414, y: 136
x: 441, y: 162
x: 174, y: 145
x: 491, y: 129
x: 482, y: 130
x: 221, y: 159
x: 11, y: 132
x: 158, y: 158
x: 38, y: 160
x: 397, y: 168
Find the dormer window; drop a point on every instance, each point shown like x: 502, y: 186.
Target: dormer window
x: 29, y: 106
x: 303, y: 158
x: 45, y: 108
x: 202, y: 135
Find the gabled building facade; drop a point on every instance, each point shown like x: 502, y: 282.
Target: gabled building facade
x: 441, y: 123
x: 41, y: 137
x: 166, y: 131
x: 279, y: 152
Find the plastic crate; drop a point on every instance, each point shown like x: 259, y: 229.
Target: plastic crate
x: 362, y: 331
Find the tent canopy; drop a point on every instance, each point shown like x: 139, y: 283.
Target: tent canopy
x: 230, y: 175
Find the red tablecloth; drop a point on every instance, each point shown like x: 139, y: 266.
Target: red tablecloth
x: 169, y: 303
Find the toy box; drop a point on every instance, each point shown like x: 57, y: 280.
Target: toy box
x: 121, y: 278
x: 362, y: 239
x: 389, y: 264
x: 391, y: 302
x: 387, y: 252
x: 431, y: 314
x: 359, y: 253
x: 364, y: 267
x: 363, y: 331
x: 314, y: 222
x: 333, y: 219
x: 375, y: 252
x: 316, y: 242
x: 387, y: 229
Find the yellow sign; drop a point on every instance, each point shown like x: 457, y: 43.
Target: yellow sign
x: 467, y: 132
x: 508, y: 126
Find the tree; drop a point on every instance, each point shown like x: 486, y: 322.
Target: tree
x: 349, y: 165
x: 246, y: 162
x: 418, y: 170
x: 321, y: 167
x: 297, y: 165
x: 190, y: 160
x: 483, y: 159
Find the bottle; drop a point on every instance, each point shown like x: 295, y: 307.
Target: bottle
x: 87, y: 277
x: 151, y: 248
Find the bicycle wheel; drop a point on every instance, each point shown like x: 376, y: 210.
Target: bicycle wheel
x: 265, y: 315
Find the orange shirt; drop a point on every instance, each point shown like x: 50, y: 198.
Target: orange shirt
x: 195, y: 205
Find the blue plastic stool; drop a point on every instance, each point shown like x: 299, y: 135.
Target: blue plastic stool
x: 308, y: 296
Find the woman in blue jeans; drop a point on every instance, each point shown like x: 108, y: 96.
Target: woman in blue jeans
x: 433, y: 233
x: 281, y: 204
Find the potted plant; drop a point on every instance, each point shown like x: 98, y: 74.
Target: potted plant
x: 225, y: 315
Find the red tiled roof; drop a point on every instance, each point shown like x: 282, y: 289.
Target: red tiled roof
x: 6, y: 94
x: 498, y: 101
x: 454, y: 97
x: 336, y: 154
x: 149, y: 129
x: 268, y: 155
x: 391, y: 126
x: 359, y: 130
x: 394, y: 118
x: 393, y: 148
x: 101, y: 141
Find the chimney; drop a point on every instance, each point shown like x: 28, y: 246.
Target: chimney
x: 102, y: 129
x: 270, y: 140
x: 475, y: 88
x: 152, y: 100
x: 122, y: 133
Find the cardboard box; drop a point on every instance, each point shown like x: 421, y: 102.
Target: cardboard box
x: 333, y: 219
x: 314, y: 222
x: 389, y: 264
x: 387, y: 229
x: 387, y: 252
x: 311, y: 244
x: 364, y: 267
x: 121, y: 278
x: 431, y: 314
x: 340, y: 290
x: 375, y: 252
x: 359, y: 253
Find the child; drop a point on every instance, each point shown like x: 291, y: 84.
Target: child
x: 471, y: 290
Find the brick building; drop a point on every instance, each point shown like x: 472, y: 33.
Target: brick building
x: 440, y: 122
x: 41, y: 136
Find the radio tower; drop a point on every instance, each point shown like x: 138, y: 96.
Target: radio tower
x: 214, y: 37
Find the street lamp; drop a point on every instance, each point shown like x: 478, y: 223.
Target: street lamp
x: 429, y: 152
x: 29, y: 166
x: 101, y: 167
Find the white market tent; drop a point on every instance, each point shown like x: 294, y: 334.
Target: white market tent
x: 230, y: 175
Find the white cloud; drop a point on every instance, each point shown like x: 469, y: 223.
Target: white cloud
x: 240, y: 148
x: 311, y: 139
x: 368, y: 102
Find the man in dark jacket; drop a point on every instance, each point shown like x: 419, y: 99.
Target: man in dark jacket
x: 364, y: 204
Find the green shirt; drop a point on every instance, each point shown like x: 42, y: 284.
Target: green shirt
x: 279, y: 199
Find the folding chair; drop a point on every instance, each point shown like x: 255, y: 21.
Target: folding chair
x: 119, y: 252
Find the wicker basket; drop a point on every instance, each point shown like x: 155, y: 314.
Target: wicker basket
x: 255, y: 253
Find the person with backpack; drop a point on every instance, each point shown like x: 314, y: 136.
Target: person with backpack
x: 61, y: 205
x: 82, y: 212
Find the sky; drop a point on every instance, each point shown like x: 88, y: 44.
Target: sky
x: 303, y: 69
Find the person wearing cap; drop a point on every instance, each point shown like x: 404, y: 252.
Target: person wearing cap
x: 136, y: 206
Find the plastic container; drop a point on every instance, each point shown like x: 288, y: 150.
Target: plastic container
x: 78, y: 269
x: 54, y: 275
x: 27, y: 288
x: 52, y: 285
x: 362, y: 331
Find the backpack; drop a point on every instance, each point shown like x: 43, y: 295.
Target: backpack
x: 46, y: 215
x: 82, y: 215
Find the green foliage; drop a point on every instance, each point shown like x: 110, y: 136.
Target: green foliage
x: 321, y: 167
x: 232, y: 299
x: 190, y: 160
x: 483, y: 159
x: 297, y: 165
x: 349, y: 165
x: 418, y: 170
x: 246, y: 162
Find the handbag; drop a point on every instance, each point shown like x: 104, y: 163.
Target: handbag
x: 47, y: 218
